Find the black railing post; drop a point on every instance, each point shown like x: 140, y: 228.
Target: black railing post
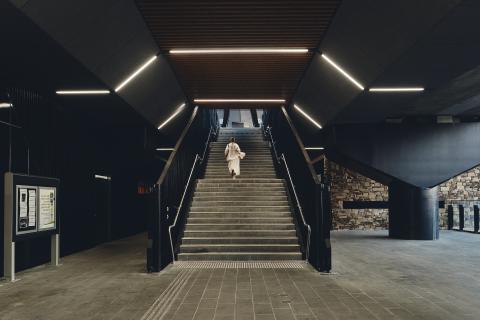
x: 153, y: 231
x: 461, y: 216
x: 449, y: 217
x: 476, y: 218
x: 327, y: 226
x: 320, y: 256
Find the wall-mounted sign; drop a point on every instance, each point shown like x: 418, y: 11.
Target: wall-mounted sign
x: 46, y: 208
x: 26, y: 212
x: 30, y: 210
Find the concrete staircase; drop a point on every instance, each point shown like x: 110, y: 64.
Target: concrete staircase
x: 248, y: 218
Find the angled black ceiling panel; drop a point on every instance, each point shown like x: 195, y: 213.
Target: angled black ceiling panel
x: 110, y: 38
x: 364, y: 39
x: 36, y: 63
x: 445, y: 62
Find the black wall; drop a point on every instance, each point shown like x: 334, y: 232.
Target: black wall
x: 74, y: 148
x: 420, y: 154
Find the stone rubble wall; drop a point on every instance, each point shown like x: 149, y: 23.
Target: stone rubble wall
x: 347, y: 185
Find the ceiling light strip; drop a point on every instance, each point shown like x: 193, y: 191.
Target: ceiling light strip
x: 98, y: 176
x: 239, y: 100
x: 238, y: 50
x: 343, y: 72
x: 398, y: 89
x: 136, y: 73
x: 82, y: 92
x: 179, y: 109
x: 307, y: 116
x: 165, y: 149
x: 6, y: 105
x: 314, y: 148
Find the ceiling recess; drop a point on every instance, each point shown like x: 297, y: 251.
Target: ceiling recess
x: 216, y: 24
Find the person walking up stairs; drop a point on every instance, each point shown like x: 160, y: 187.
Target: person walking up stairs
x: 248, y: 218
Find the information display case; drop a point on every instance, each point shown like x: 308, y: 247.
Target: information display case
x: 31, y: 210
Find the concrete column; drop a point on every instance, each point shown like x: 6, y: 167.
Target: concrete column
x: 413, y: 212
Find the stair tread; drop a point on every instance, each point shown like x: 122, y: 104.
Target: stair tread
x: 240, y: 238
x: 239, y: 253
x: 241, y: 245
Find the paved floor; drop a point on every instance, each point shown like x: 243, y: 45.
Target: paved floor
x: 376, y: 278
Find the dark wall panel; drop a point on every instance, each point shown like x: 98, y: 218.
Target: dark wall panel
x: 65, y: 146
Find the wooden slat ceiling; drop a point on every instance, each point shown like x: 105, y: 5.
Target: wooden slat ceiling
x: 201, y: 24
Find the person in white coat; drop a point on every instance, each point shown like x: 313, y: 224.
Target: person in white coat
x: 233, y: 155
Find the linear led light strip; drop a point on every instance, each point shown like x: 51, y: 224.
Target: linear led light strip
x: 398, y: 89
x: 238, y: 50
x: 165, y: 149
x: 6, y: 105
x: 307, y: 116
x: 239, y: 100
x: 136, y: 73
x: 314, y: 148
x: 379, y: 89
x: 343, y: 72
x: 84, y: 92
x: 179, y: 109
x: 97, y: 176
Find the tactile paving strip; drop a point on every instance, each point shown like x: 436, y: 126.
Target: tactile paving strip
x: 240, y: 264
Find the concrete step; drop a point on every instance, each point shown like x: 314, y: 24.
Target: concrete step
x: 240, y: 233
x: 260, y: 160
x: 206, y: 208
x: 230, y: 187
x: 240, y: 189
x: 248, y: 157
x: 251, y: 180
x: 223, y: 165
x: 239, y: 256
x: 197, y: 248
x: 240, y: 192
x: 241, y: 175
x: 243, y: 169
x: 238, y: 203
x: 241, y: 182
x: 249, y: 170
x: 239, y: 240
x: 238, y: 220
x: 245, y: 172
x: 244, y: 148
x: 239, y: 227
x: 220, y: 215
x: 251, y: 144
x: 235, y: 197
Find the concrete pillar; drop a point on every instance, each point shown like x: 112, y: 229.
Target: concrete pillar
x: 413, y: 212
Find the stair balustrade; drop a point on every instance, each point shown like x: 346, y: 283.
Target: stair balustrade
x: 173, y: 190
x: 308, y: 193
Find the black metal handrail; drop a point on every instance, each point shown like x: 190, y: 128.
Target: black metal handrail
x: 273, y: 144
x: 268, y: 133
x: 173, y: 188
x: 299, y: 206
x: 187, y: 187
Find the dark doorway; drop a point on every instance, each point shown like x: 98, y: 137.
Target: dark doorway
x: 102, y: 211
